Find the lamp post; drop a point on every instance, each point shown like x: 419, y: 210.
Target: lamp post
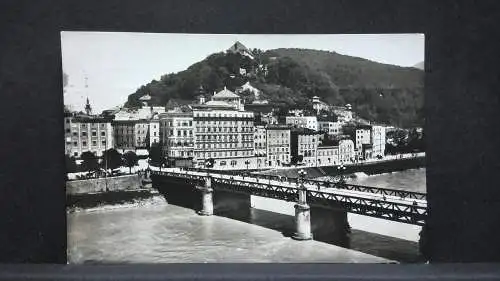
x: 341, y: 170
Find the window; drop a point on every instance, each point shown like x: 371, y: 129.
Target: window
x: 84, y: 143
x: 75, y: 143
x: 94, y: 134
x: 94, y: 143
x: 84, y: 134
x: 103, y: 142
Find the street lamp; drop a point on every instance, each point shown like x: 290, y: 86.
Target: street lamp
x: 302, y: 175
x: 341, y: 170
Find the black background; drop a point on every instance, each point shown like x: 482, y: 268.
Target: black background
x: 462, y: 103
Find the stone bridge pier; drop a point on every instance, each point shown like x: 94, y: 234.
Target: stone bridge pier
x: 207, y: 200
x: 302, y: 217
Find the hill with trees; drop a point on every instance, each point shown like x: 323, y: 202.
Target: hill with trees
x: 290, y: 77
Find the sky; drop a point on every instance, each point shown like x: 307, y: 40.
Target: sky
x: 108, y: 66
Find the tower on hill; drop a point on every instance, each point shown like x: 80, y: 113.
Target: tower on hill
x: 238, y: 48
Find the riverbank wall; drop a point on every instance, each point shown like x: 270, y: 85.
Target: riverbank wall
x: 370, y: 168
x: 91, y: 193
x: 120, y: 183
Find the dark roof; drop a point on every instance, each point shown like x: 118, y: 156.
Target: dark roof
x: 277, y: 127
x: 305, y: 131
x: 260, y: 108
x: 365, y: 127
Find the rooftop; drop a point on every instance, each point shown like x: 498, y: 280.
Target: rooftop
x: 305, y: 131
x: 225, y: 94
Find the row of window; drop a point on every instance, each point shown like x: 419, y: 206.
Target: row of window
x: 224, y: 129
x: 244, y: 138
x: 84, y: 143
x: 223, y: 154
x: 84, y: 134
x: 223, y: 115
x: 224, y: 145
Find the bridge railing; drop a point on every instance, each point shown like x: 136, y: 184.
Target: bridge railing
x: 403, y: 211
x: 328, y: 184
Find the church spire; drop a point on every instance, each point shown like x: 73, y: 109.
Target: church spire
x: 88, y: 108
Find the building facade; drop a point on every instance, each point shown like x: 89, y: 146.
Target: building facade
x: 310, y: 122
x: 305, y: 142
x: 260, y: 140
x: 221, y: 132
x: 346, y: 151
x: 87, y: 134
x: 154, y: 131
x: 363, y: 136
x: 141, y: 130
x: 278, y: 145
x: 124, y: 134
x: 378, y: 140
x: 330, y: 127
x: 177, y: 135
x: 328, y: 155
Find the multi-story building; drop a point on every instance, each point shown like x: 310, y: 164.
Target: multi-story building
x: 310, y: 122
x: 141, y: 129
x: 124, y: 134
x: 378, y: 140
x: 86, y: 133
x: 330, y: 127
x: 346, y: 151
x: 304, y: 141
x: 154, y: 131
x: 177, y: 135
x: 260, y: 140
x: 363, y: 136
x: 223, y: 134
x: 278, y: 145
x: 328, y: 155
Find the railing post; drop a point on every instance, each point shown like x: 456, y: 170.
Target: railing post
x: 207, y: 204
x: 302, y: 213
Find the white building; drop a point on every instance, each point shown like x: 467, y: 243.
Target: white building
x: 86, y: 133
x: 310, y: 122
x: 304, y: 142
x: 346, y: 151
x: 177, y: 135
x: 363, y: 136
x: 330, y: 127
x: 278, y: 145
x: 154, y: 131
x: 328, y: 155
x: 141, y: 129
x: 223, y: 134
x: 260, y: 140
x: 378, y: 140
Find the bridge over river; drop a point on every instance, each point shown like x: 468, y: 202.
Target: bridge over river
x: 394, y: 205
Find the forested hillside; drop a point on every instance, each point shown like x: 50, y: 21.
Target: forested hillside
x: 289, y: 77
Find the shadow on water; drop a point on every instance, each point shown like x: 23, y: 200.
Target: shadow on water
x: 237, y: 207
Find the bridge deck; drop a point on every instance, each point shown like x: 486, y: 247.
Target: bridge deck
x: 400, y: 206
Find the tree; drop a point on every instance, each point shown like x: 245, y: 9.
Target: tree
x: 155, y: 155
x: 70, y: 164
x: 130, y: 159
x: 296, y: 159
x: 112, y: 159
x: 89, y: 161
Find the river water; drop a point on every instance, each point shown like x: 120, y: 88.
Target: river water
x: 154, y: 231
